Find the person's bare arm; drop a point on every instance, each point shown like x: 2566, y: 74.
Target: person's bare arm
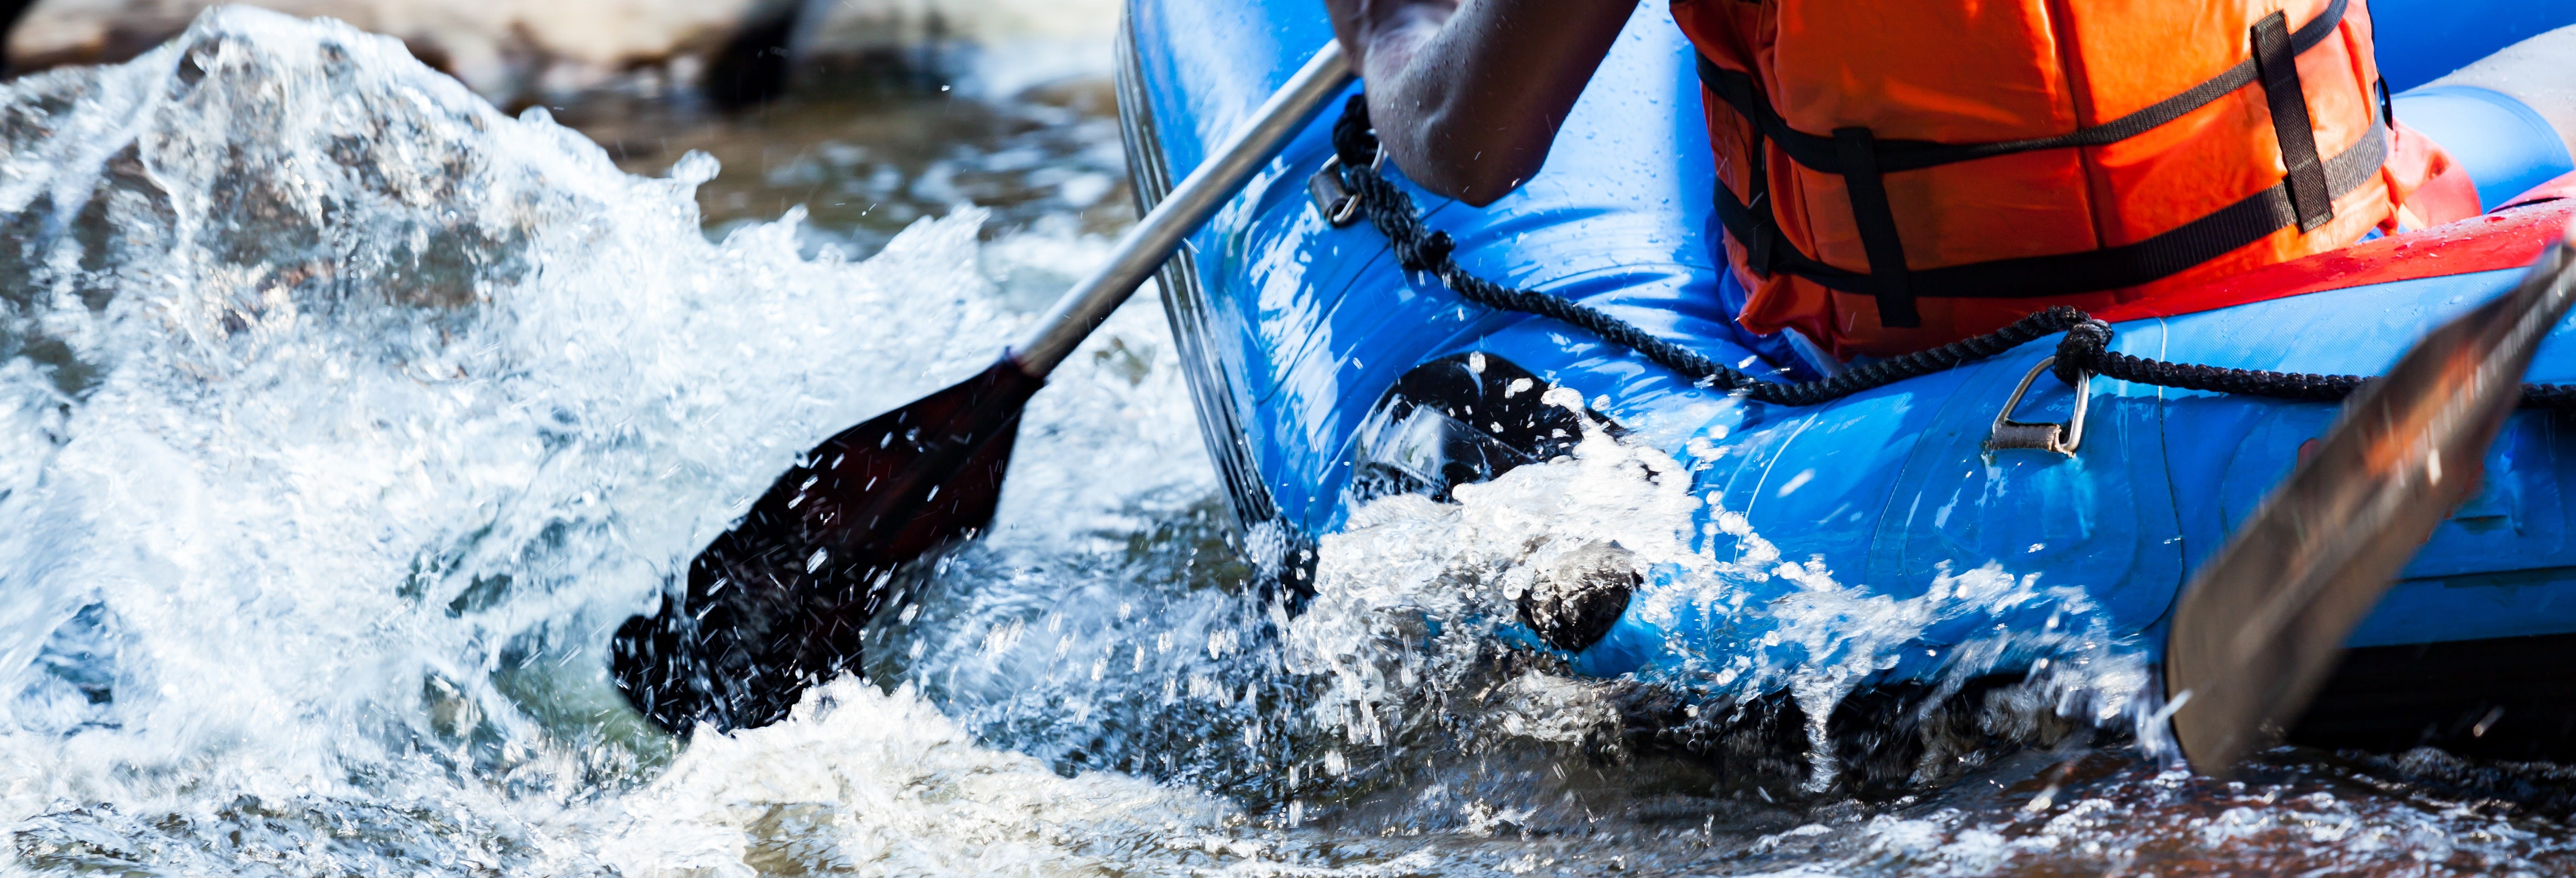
x: 1466, y: 96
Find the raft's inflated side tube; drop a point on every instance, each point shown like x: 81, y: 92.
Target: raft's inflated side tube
x: 2506, y: 148
x: 1296, y: 331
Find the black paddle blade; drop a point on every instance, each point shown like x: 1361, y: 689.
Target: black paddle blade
x: 778, y: 603
x: 2264, y: 622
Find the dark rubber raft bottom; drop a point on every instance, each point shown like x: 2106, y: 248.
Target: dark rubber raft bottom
x: 2506, y: 698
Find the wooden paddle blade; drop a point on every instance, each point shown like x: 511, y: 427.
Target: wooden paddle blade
x: 778, y: 603
x: 2261, y: 625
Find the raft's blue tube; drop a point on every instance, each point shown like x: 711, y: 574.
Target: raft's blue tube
x: 1298, y: 328
x: 2505, y: 146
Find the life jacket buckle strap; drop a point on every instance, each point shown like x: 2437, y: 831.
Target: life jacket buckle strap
x: 1891, y: 282
x: 1762, y: 250
x: 2277, y: 63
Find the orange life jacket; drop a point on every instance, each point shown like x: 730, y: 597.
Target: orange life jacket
x: 1895, y: 174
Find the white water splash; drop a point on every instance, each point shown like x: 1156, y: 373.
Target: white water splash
x: 343, y: 416
x: 859, y: 780
x: 1411, y: 596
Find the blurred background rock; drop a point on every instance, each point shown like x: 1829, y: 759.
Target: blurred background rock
x: 732, y: 52
x: 866, y: 115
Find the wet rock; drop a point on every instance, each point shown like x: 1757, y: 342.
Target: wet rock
x: 996, y: 46
x: 1573, y: 604
x: 753, y: 65
x: 10, y: 12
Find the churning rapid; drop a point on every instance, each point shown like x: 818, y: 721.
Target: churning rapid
x: 343, y: 417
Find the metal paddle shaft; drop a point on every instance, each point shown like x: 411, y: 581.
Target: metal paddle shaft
x: 779, y: 603
x: 1144, y: 248
x: 2262, y: 625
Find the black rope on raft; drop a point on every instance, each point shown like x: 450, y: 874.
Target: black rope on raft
x: 2085, y: 348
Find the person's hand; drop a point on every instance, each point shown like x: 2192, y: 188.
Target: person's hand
x: 1361, y: 25
x: 1466, y: 97
x: 1346, y: 16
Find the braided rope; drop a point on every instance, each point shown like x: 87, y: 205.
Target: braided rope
x: 2086, y: 347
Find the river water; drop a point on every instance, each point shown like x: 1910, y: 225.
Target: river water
x: 342, y: 417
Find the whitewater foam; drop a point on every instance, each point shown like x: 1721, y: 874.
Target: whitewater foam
x: 341, y: 417
x: 345, y: 415
x: 1412, y: 595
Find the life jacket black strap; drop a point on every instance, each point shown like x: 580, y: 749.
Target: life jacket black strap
x: 2110, y: 268
x: 1891, y: 280
x: 2289, y: 105
x: 1764, y: 250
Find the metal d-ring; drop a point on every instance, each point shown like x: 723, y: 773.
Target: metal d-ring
x: 2060, y: 438
x: 1332, y: 195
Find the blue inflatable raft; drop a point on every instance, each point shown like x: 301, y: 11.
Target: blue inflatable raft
x: 1324, y: 375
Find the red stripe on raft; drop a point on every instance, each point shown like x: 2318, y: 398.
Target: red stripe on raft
x: 2511, y: 237
x: 2562, y: 187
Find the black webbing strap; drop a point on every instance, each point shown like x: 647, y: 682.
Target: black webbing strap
x: 1890, y: 280
x: 1762, y: 250
x: 1744, y: 94
x: 2289, y: 104
x: 2109, y: 268
x: 1753, y: 224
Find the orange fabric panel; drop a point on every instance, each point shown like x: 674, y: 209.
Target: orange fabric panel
x: 2357, y: 30
x: 1731, y: 137
x: 1837, y: 64
x: 1977, y: 71
x: 1726, y: 33
x: 2137, y: 52
x: 2341, y: 102
x: 2180, y: 172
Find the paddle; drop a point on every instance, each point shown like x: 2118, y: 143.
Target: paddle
x: 2263, y: 623
x: 779, y: 602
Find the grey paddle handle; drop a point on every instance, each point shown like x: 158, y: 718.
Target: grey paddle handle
x: 1144, y: 248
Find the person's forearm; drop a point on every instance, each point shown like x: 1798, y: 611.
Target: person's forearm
x: 1467, y: 101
